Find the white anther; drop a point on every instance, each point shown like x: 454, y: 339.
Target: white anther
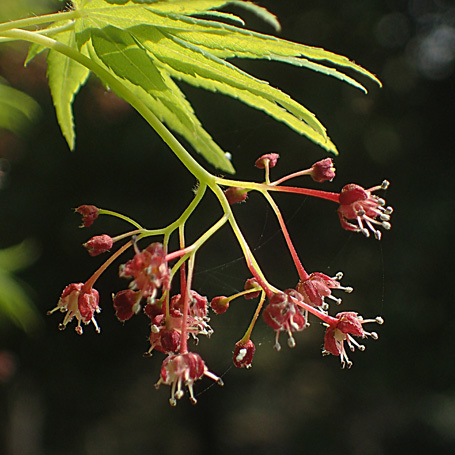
x: 365, y: 232
x: 361, y: 347
x: 385, y: 184
x: 386, y: 225
x: 325, y: 306
x: 347, y: 289
x: 291, y: 342
x: 374, y: 335
x: 379, y: 320
x: 277, y: 347
x: 384, y: 217
x: 338, y: 276
x: 389, y: 210
x: 294, y: 325
x: 377, y: 235
x: 155, y: 329
x: 337, y: 301
x: 381, y: 201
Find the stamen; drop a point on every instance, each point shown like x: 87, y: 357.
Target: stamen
x: 291, y: 341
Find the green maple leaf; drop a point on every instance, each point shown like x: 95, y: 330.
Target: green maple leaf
x: 148, y: 45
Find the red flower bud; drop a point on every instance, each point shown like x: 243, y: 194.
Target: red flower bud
x: 251, y: 283
x: 270, y: 158
x: 99, y: 244
x: 89, y: 214
x: 243, y: 354
x: 219, y: 304
x: 323, y: 171
x: 235, y: 194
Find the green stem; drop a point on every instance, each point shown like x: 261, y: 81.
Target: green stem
x: 252, y: 264
x: 44, y: 19
x: 122, y: 217
x: 203, y: 176
x: 247, y: 335
x: 123, y: 92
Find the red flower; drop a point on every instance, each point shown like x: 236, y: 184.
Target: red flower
x: 323, y: 171
x: 197, y: 305
x: 243, y: 354
x: 126, y: 304
x: 89, y: 214
x: 364, y: 209
x: 318, y: 286
x: 99, y: 244
x: 348, y: 324
x: 284, y: 315
x: 149, y: 270
x: 79, y: 303
x: 184, y: 369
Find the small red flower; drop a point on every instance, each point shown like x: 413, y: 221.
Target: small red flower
x: 99, y: 244
x: 79, y: 303
x: 251, y: 283
x: 149, y: 270
x: 184, y: 369
x: 235, y: 194
x: 347, y: 324
x: 269, y: 159
x: 360, y: 210
x: 243, y: 354
x: 323, y: 171
x: 126, y: 304
x: 318, y: 286
x: 220, y: 304
x: 197, y: 307
x: 89, y: 214
x: 283, y: 314
x: 165, y: 333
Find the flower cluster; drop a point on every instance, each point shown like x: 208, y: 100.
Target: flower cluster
x: 161, y: 280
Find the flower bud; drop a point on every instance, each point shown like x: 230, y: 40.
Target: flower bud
x: 99, y: 244
x: 235, y: 194
x: 243, y: 354
x: 323, y: 171
x: 251, y: 283
x: 270, y: 158
x: 219, y: 304
x: 89, y: 214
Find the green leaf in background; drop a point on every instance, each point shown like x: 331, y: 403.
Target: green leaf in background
x: 66, y: 76
x: 18, y: 111
x: 15, y: 303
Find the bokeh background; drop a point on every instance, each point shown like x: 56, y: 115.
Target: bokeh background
x: 65, y: 394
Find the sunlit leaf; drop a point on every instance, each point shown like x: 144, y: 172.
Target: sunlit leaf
x: 66, y: 76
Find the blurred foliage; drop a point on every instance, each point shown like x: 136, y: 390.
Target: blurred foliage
x: 18, y: 111
x: 15, y: 303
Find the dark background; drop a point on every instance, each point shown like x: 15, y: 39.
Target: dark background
x: 94, y: 394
